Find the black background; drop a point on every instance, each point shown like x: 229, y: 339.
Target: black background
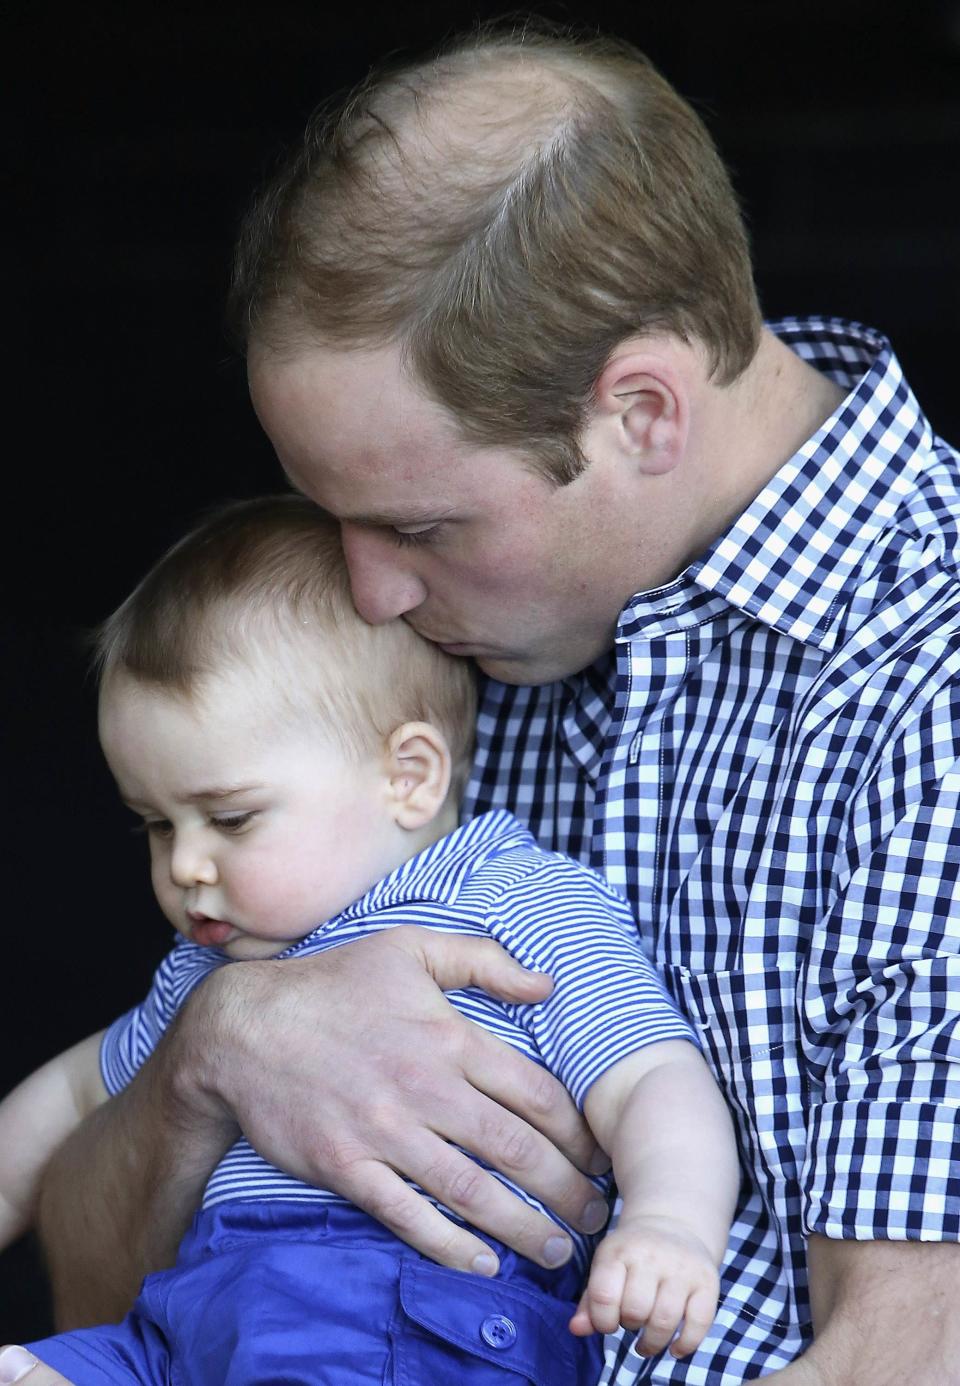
x: 133, y: 136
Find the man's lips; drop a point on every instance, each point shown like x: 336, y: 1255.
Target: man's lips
x: 209, y: 933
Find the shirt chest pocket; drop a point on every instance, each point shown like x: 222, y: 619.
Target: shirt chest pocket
x: 746, y: 1021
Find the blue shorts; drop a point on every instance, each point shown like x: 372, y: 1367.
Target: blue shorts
x: 293, y: 1294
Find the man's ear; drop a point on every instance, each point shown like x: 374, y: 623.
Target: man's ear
x: 640, y: 411
x: 418, y: 770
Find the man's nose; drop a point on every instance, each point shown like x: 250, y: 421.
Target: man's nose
x: 191, y: 863
x: 383, y: 584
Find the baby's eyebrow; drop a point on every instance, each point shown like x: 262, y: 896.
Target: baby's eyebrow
x: 214, y: 791
x: 220, y: 791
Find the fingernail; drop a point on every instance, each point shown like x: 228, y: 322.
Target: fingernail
x: 599, y: 1162
x: 595, y: 1215
x: 556, y: 1250
x: 15, y: 1362
x: 485, y: 1264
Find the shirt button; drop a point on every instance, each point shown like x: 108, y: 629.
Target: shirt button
x: 497, y: 1331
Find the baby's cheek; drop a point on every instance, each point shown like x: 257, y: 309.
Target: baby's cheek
x: 279, y: 899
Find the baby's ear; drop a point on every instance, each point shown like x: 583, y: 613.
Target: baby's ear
x: 418, y: 768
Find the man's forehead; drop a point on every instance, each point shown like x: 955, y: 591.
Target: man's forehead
x: 336, y: 380
x: 356, y: 410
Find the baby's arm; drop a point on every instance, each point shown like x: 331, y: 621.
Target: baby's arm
x: 660, y: 1116
x: 34, y: 1119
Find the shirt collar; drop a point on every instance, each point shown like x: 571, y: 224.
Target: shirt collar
x: 789, y: 557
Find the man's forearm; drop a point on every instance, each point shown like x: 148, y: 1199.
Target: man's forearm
x: 884, y: 1314
x: 119, y: 1193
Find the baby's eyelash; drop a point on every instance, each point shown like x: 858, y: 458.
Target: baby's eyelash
x: 234, y: 822
x: 157, y: 827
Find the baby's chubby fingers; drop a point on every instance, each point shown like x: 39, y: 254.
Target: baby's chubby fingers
x: 661, y: 1319
x: 699, y: 1314
x: 599, y: 1309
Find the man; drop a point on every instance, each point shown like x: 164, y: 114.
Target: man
x: 501, y: 323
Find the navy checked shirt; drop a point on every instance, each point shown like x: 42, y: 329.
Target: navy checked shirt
x: 766, y: 764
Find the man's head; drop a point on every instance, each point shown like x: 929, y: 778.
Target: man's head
x: 494, y: 224
x: 283, y: 754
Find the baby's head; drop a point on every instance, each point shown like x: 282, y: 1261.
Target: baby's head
x: 284, y: 755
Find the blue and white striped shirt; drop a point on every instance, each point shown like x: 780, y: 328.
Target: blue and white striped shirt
x: 766, y: 765
x: 488, y: 878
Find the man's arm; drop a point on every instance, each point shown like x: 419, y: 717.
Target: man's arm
x: 120, y: 1191
x: 349, y: 1069
x: 884, y: 1313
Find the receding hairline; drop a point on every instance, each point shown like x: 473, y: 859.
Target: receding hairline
x: 487, y: 105
x: 465, y: 102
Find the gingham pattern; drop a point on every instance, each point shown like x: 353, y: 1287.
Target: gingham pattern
x: 767, y: 766
x: 487, y: 878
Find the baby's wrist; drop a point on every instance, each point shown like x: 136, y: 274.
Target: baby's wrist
x: 647, y: 1222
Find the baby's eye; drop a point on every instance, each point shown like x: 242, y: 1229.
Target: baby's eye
x: 155, y: 827
x: 232, y: 822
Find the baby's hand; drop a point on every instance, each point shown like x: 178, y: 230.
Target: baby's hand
x: 651, y: 1274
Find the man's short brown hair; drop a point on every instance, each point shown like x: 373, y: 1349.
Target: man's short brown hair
x: 261, y: 586
x: 508, y: 212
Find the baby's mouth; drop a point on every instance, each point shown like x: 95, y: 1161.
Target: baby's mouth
x: 207, y: 932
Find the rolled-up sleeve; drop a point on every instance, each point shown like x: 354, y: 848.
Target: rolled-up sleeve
x: 881, y: 1006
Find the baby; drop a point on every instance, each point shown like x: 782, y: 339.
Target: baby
x: 297, y: 773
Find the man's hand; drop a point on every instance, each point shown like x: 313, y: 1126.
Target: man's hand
x: 655, y: 1275
x: 350, y: 1069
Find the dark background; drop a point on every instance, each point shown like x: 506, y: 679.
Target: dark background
x: 133, y: 136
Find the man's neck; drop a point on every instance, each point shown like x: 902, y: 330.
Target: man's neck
x: 789, y: 400
x: 751, y: 428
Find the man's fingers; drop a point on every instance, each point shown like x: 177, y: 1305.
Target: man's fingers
x: 529, y: 1159
x: 456, y: 960
x: 422, y: 1226
x: 17, y: 1364
x: 473, y: 1194
x: 516, y: 1083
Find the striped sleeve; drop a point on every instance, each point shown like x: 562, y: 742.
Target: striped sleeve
x: 130, y: 1041
x: 608, y: 1000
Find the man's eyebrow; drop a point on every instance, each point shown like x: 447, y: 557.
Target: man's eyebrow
x: 383, y: 519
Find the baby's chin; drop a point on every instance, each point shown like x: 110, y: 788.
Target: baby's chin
x: 240, y: 946
x: 249, y: 948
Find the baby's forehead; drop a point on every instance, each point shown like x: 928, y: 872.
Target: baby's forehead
x: 258, y: 701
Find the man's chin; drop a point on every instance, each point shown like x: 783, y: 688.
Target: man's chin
x: 526, y: 671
